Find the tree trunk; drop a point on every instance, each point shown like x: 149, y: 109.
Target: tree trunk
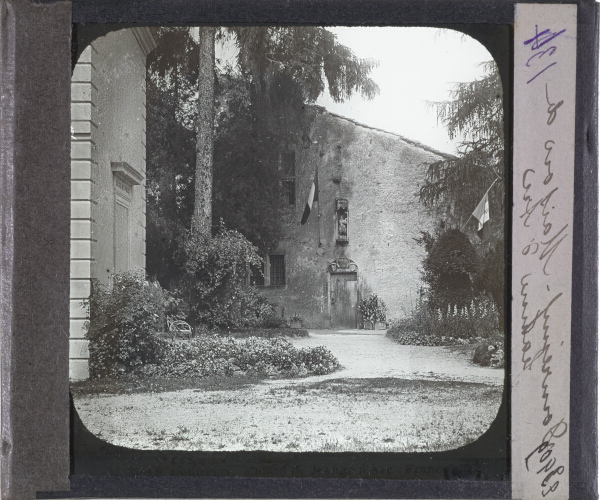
x: 202, y: 218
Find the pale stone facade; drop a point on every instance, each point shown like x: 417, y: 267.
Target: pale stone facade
x: 108, y: 168
x: 378, y: 175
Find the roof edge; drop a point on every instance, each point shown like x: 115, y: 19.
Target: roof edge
x: 418, y: 144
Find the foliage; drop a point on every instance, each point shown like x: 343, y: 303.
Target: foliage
x: 475, y: 113
x: 215, y: 280
x: 296, y: 318
x: 372, y: 308
x: 408, y: 337
x: 171, y: 83
x: 269, y: 332
x: 424, y: 326
x: 125, y: 321
x: 258, y: 102
x: 449, y: 268
x: 489, y: 353
x: 260, y: 105
x: 297, y: 63
x: 247, y: 193
x: 214, y: 355
x: 492, y: 275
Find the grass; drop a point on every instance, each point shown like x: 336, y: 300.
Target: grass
x: 133, y: 385
x: 437, y: 389
x: 335, y: 415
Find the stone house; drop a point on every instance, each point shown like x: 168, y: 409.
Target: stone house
x: 360, y: 240
x: 108, y: 167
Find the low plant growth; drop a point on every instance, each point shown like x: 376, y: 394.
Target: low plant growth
x: 268, y: 333
x: 215, y: 355
x: 467, y: 325
x: 372, y: 309
x: 126, y: 334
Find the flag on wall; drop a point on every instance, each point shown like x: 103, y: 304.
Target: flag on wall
x: 482, y: 214
x: 313, y: 196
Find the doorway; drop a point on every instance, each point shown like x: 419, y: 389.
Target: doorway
x: 343, y: 298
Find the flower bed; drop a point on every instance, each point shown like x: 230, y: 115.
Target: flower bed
x: 487, y: 352
x: 215, y: 355
x: 414, y: 338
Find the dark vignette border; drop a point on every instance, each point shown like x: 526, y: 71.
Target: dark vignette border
x: 584, y: 342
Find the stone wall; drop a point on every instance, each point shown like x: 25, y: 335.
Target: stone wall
x: 108, y: 166
x: 379, y: 173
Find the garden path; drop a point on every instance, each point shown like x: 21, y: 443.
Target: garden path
x: 370, y: 354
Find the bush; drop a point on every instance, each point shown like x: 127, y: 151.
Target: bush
x: 124, y: 326
x: 215, y: 355
x: 448, y: 268
x: 265, y: 332
x: 489, y: 353
x: 404, y: 337
x: 479, y: 320
x: 372, y: 309
x: 215, y: 279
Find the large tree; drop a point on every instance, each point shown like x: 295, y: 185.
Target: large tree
x: 202, y: 218
x: 257, y: 104
x: 277, y: 72
x: 260, y: 108
x: 171, y: 90
x: 474, y: 114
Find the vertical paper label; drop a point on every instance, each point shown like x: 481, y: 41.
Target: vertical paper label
x: 542, y: 246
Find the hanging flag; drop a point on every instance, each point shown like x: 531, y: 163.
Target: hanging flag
x: 313, y: 196
x: 482, y: 214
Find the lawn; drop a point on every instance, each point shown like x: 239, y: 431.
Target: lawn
x: 339, y: 414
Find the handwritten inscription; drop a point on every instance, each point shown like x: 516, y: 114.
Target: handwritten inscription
x: 541, y: 56
x: 540, y: 189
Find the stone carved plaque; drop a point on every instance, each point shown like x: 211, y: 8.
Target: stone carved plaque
x: 342, y: 265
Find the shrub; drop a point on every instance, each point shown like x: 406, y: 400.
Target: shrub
x: 479, y: 320
x: 450, y: 263
x: 215, y: 355
x: 412, y: 338
x: 372, y: 308
x: 215, y: 278
x: 124, y: 325
x: 489, y: 353
x: 258, y: 312
x: 265, y: 332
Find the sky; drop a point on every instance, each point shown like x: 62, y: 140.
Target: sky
x: 416, y: 66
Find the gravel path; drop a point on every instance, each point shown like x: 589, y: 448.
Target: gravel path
x: 387, y: 397
x: 370, y: 354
